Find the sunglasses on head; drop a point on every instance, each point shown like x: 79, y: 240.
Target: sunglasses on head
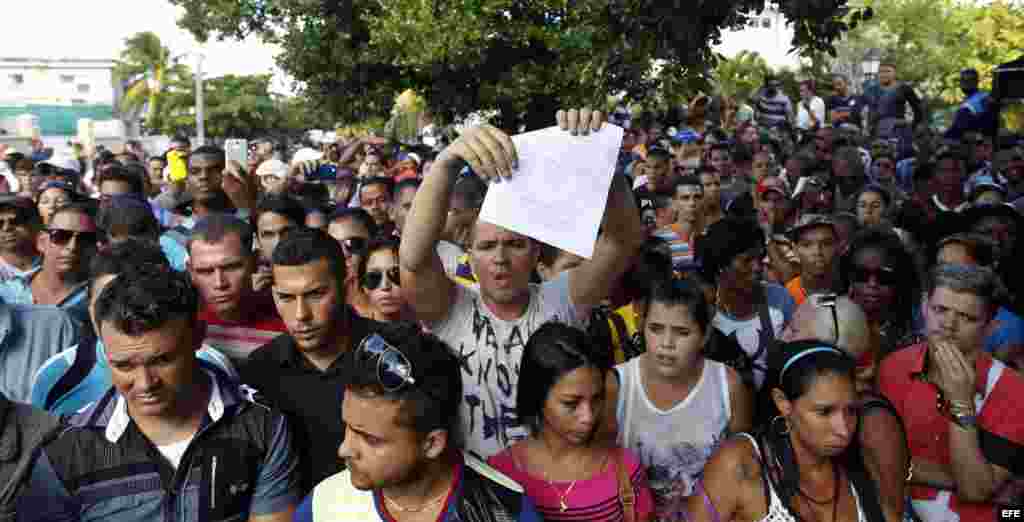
x: 61, y: 237
x: 885, y: 276
x: 394, y: 371
x: 353, y: 245
x: 373, y: 279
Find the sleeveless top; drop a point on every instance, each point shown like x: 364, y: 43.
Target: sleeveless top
x: 777, y: 512
x: 674, y: 457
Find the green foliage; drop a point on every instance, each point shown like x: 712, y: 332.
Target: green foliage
x: 522, y: 57
x: 740, y: 76
x: 147, y: 68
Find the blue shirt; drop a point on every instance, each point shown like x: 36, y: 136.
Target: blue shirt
x: 86, y: 388
x: 174, y: 251
x: 18, y: 290
x: 29, y: 335
x: 1007, y: 332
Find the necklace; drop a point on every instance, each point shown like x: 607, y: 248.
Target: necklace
x: 562, y: 506
x: 836, y: 492
x: 432, y: 503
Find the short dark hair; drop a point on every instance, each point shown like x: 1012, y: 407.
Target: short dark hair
x: 88, y: 207
x: 130, y: 214
x: 388, y: 183
x: 307, y: 245
x: 979, y: 247
x: 375, y: 244
x: 671, y: 291
x: 356, y: 214
x: 124, y: 256
x: 977, y: 280
x: 689, y: 180
x: 160, y: 157
x: 215, y: 227
x: 147, y: 298
x: 210, y: 150
x: 469, y: 192
x: 407, y: 183
x: 282, y: 205
x: 553, y: 350
x: 724, y: 241
x: 430, y: 403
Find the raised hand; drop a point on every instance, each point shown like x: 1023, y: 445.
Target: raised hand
x: 487, y: 150
x: 579, y: 121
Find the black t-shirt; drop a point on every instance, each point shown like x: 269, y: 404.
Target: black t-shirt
x: 310, y: 398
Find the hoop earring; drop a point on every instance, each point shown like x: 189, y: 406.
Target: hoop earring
x: 784, y: 422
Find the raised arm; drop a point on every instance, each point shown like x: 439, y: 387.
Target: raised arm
x: 621, y: 237
x: 490, y: 153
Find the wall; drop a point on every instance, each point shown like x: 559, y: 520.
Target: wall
x: 42, y: 81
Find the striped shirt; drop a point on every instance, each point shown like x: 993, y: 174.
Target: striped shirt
x: 683, y: 259
x: 238, y: 339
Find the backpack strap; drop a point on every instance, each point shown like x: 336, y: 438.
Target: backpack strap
x: 627, y: 497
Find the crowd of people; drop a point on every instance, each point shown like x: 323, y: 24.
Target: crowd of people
x: 801, y: 313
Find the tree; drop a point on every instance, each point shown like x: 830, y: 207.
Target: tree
x: 147, y: 70
x: 740, y: 76
x: 522, y: 57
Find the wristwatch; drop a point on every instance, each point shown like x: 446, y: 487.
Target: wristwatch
x: 965, y: 420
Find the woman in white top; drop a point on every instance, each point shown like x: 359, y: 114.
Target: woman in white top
x: 805, y: 464
x: 674, y: 406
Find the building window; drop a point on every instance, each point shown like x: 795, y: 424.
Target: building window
x: 766, y: 23
x: 67, y: 78
x: 17, y: 80
x: 83, y: 88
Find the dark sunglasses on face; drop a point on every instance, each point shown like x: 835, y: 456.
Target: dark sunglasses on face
x: 353, y: 245
x: 61, y: 237
x: 373, y: 279
x: 885, y: 276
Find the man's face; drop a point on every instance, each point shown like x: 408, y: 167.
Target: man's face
x: 712, y: 183
x: 264, y: 150
x: 870, y: 208
x: 960, y: 317
x: 353, y: 237
x: 273, y: 184
x: 16, y: 233
x: 156, y: 172
x: 722, y: 162
x: 68, y: 244
x: 270, y: 228
x: 308, y: 299
x: 222, y: 272
x: 153, y: 371
x: 949, y: 176
x: 502, y: 261
x: 886, y: 75
x: 114, y: 187
x: 206, y: 172
x: 761, y: 167
x: 658, y: 170
x: 402, y: 207
x: 379, y: 448
x: 376, y: 200
x: 954, y: 254
x: 816, y: 248
x: 688, y: 200
x: 839, y: 86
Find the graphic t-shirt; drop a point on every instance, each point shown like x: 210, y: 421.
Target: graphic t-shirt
x: 749, y: 333
x: 489, y: 350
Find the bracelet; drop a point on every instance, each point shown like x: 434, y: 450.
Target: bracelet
x: 910, y: 472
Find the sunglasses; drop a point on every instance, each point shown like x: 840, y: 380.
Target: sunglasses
x: 354, y: 245
x: 885, y: 276
x: 394, y: 371
x: 373, y: 279
x: 61, y: 237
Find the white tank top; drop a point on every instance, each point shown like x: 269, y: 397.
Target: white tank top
x: 673, y: 444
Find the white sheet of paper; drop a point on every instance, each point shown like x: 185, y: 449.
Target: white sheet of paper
x: 559, y: 193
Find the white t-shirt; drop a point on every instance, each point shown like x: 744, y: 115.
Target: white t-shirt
x: 449, y: 253
x: 803, y: 119
x: 749, y: 334
x: 489, y: 350
x: 174, y: 451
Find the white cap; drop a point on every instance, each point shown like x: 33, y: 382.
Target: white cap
x: 273, y: 167
x: 306, y: 154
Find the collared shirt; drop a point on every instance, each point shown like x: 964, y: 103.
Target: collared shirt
x: 240, y: 463
x: 19, y: 291
x: 1001, y: 427
x: 66, y: 383
x: 29, y: 336
x: 310, y: 397
x: 9, y: 271
x: 259, y: 326
x: 942, y: 207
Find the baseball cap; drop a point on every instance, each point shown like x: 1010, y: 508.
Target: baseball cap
x: 272, y: 167
x: 686, y: 136
x: 807, y: 221
x: 772, y: 184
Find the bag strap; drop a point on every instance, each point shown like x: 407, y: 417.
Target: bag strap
x: 627, y: 497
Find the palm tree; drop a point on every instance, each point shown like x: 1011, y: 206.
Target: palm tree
x: 740, y: 76
x: 148, y: 70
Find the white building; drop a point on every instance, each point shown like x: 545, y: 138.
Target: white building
x: 767, y: 33
x: 44, y: 81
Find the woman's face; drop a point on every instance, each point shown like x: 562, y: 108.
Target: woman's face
x: 673, y: 338
x: 50, y: 200
x: 761, y: 167
x: 573, y: 407
x: 382, y: 274
x: 873, y: 282
x: 823, y: 419
x: 870, y: 208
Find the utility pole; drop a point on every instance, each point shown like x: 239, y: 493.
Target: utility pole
x: 200, y: 105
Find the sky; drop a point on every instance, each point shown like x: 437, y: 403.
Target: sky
x: 98, y: 28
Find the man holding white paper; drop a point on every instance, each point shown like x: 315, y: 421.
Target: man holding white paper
x: 488, y: 326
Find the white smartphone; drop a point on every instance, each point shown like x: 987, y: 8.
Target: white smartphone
x: 237, y: 150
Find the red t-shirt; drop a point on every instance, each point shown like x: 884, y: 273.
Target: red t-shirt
x: 237, y: 340
x: 998, y: 390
